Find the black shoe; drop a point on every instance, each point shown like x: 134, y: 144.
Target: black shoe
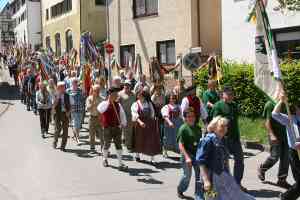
x: 123, y: 168
x: 180, y: 195
x: 105, y: 163
x: 63, y: 149
x: 54, y: 145
x: 283, y: 184
x: 137, y: 159
x: 244, y: 189
x: 261, y: 175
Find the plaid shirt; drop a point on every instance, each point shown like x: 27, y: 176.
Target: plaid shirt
x: 77, y: 100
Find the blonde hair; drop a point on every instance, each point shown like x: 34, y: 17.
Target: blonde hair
x: 212, y: 126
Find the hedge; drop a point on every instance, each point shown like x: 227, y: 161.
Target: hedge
x: 241, y: 77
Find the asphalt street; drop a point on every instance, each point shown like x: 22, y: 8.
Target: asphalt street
x: 31, y: 169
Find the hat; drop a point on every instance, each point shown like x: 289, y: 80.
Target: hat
x: 228, y: 89
x: 113, y: 90
x: 127, y: 82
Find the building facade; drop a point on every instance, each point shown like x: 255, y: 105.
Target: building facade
x: 6, y: 28
x: 64, y: 21
x: 238, y: 36
x: 27, y: 19
x: 163, y: 29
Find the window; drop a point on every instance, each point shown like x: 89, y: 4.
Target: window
x: 100, y: 2
x: 288, y: 42
x: 69, y: 40
x: 48, y: 42
x: 166, y: 52
x: 144, y: 8
x: 127, y: 54
x: 57, y: 44
x: 61, y: 8
x: 47, y: 14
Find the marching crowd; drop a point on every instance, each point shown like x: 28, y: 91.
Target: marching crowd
x: 149, y: 119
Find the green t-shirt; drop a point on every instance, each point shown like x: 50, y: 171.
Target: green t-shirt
x: 231, y: 112
x: 277, y: 128
x: 212, y: 97
x: 189, y: 136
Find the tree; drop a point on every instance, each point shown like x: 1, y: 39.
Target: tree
x: 293, y: 5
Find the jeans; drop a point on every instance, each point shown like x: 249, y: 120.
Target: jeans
x: 278, y: 151
x: 186, y: 178
x: 235, y: 148
x: 294, y: 192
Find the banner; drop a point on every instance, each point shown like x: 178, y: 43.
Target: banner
x: 267, y: 71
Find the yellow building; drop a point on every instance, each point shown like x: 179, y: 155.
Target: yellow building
x: 164, y: 29
x: 63, y: 21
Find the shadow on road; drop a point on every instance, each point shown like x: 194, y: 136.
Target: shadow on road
x: 8, y: 92
x: 82, y: 153
x: 264, y: 193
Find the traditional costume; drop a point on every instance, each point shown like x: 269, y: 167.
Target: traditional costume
x: 146, y: 140
x: 112, y: 118
x: 173, y: 113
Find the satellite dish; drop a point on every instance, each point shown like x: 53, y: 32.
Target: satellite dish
x: 192, y: 61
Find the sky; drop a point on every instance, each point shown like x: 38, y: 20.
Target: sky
x: 2, y: 4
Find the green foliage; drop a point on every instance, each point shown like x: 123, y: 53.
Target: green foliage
x: 253, y: 130
x: 290, y: 4
x: 250, y: 98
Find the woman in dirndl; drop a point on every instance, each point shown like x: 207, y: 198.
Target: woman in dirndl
x: 171, y: 113
x: 212, y: 156
x: 146, y: 132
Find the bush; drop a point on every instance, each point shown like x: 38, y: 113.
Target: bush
x: 241, y: 77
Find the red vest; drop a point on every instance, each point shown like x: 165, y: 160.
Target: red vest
x: 195, y: 103
x: 110, y: 118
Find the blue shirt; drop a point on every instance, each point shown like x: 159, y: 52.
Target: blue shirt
x: 213, y: 154
x: 292, y: 127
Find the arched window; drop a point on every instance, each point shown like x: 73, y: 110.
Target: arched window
x: 57, y: 44
x: 69, y: 40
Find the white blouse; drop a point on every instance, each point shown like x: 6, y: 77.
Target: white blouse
x: 135, y: 109
x: 165, y: 111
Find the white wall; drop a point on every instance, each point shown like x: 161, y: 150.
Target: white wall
x: 238, y: 35
x: 34, y: 23
x: 31, y: 26
x: 21, y: 29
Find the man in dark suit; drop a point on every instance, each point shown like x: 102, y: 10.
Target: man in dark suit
x: 62, y: 109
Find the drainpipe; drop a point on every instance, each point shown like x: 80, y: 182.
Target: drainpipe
x: 199, y: 23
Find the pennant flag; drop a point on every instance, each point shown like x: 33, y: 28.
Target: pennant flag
x: 267, y: 70
x: 88, y: 49
x: 138, y: 69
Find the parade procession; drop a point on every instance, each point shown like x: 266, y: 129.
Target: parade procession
x: 180, y: 108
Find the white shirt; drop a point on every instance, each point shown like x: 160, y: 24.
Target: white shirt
x: 185, y: 105
x: 135, y: 109
x: 165, y: 111
x: 103, y: 106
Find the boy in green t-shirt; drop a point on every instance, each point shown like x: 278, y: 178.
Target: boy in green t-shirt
x: 188, y: 137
